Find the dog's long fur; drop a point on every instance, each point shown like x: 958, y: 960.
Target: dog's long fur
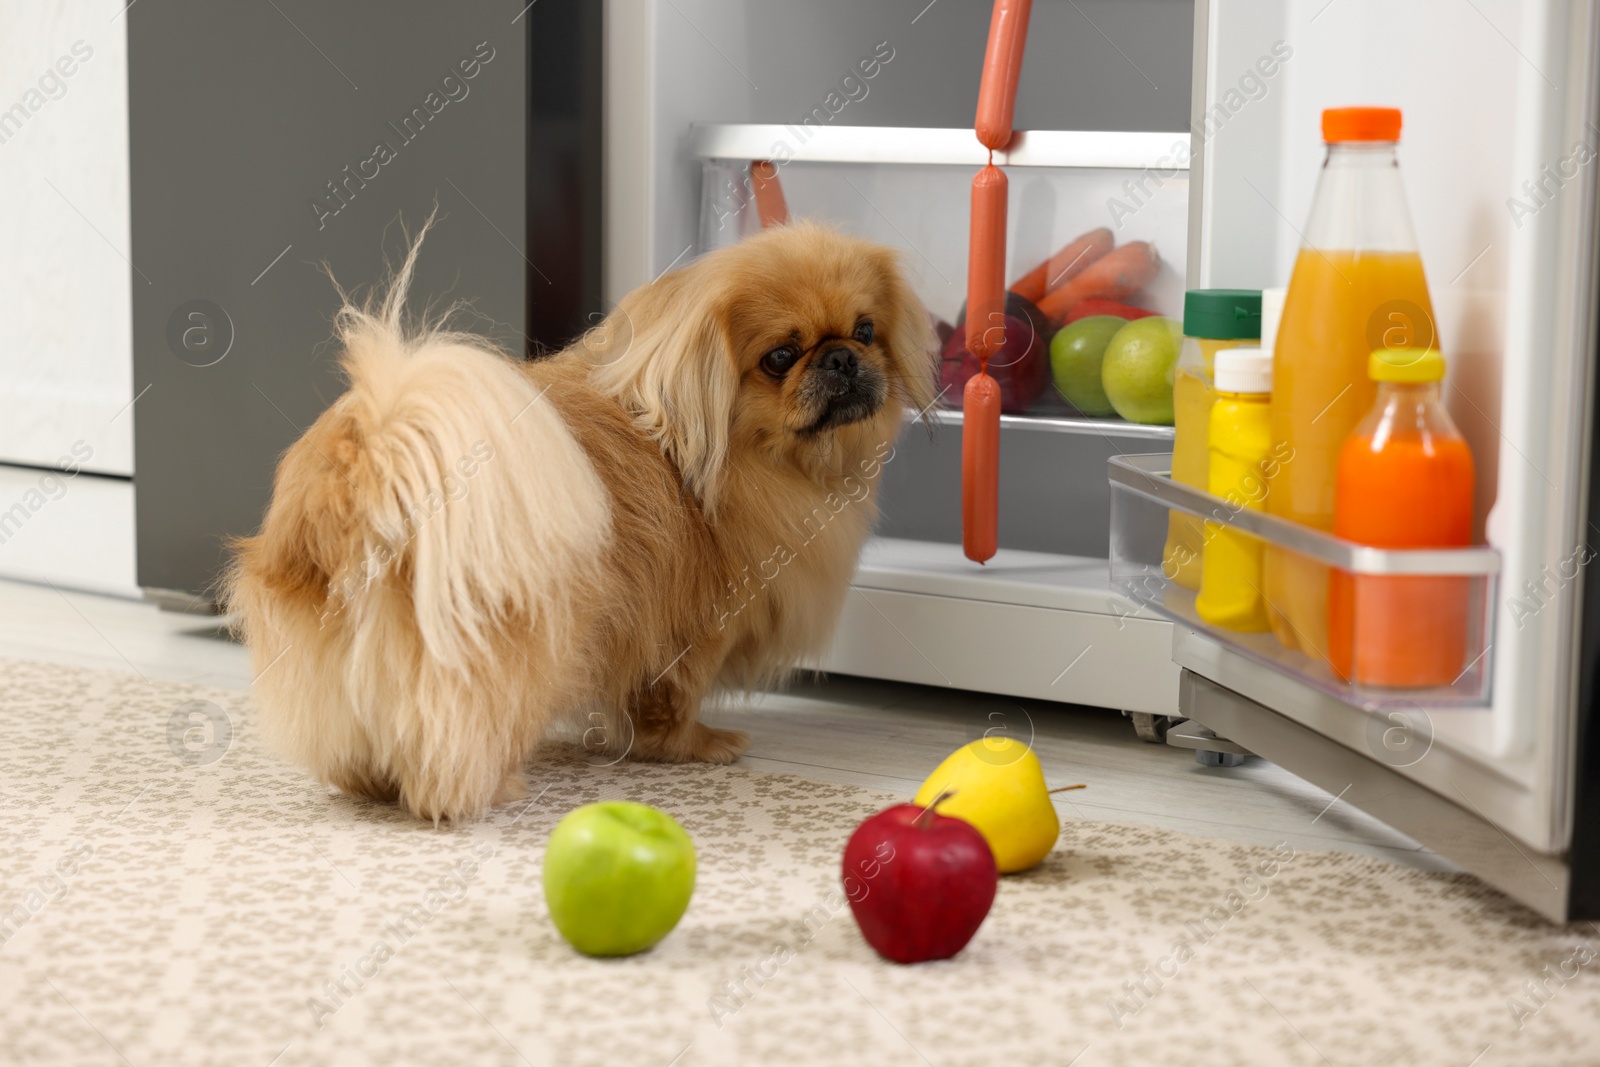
x: 465, y: 551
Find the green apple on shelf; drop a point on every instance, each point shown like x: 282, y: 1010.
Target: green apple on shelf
x: 1137, y: 369
x: 1076, y: 352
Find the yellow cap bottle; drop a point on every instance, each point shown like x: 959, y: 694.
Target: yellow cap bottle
x: 1240, y: 446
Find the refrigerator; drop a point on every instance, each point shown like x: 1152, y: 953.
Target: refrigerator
x: 297, y: 166
x: 1193, y: 126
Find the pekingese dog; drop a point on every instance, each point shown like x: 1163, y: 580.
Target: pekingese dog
x: 466, y: 552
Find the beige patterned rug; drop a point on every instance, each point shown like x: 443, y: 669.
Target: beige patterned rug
x: 169, y: 894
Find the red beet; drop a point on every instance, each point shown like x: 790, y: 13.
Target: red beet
x: 1021, y: 365
x: 919, y: 883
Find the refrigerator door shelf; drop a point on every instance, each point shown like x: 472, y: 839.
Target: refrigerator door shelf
x: 1454, y: 589
x: 1032, y: 625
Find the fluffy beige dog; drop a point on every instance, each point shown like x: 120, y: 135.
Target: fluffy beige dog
x: 466, y: 551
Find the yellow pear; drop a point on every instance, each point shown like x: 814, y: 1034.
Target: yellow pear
x: 997, y: 785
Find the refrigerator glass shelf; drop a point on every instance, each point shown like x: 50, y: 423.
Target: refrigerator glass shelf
x: 1420, y: 622
x: 911, y: 189
x: 1067, y: 422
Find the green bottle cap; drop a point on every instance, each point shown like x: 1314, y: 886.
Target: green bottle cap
x: 1222, y: 314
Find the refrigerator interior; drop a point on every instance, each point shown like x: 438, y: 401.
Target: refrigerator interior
x: 1097, y: 69
x: 1495, y: 95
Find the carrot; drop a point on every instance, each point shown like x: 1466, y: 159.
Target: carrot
x: 1065, y: 265
x: 1094, y: 305
x: 1115, y: 275
x: 980, y: 467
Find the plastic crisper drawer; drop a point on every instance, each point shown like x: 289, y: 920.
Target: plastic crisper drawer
x: 1451, y: 591
x: 911, y: 189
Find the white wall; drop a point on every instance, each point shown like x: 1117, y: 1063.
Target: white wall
x: 66, y: 350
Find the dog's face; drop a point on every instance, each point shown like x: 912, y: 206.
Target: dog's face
x: 820, y: 374
x: 800, y: 344
x: 813, y: 334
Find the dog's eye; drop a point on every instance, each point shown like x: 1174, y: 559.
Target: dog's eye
x: 863, y: 333
x: 779, y: 360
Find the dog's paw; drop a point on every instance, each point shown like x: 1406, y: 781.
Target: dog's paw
x: 512, y: 787
x: 363, y: 782
x: 711, y: 745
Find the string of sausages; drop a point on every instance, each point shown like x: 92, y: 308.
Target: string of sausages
x: 986, y: 282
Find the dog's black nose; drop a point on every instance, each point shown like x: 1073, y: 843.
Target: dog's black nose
x: 840, y: 360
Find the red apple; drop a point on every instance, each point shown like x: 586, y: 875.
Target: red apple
x: 919, y: 883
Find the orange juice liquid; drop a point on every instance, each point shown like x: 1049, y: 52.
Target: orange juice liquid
x: 1341, y: 305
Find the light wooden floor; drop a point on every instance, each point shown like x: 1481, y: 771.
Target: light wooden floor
x: 875, y: 734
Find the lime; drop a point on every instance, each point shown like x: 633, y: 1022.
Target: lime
x: 1075, y: 355
x: 1137, y: 369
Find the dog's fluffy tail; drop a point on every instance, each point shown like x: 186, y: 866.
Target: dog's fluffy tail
x: 436, y: 508
x: 463, y: 471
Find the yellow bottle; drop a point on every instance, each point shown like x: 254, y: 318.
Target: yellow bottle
x: 1213, y: 320
x: 1240, y: 443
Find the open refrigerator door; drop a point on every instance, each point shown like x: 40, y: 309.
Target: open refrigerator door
x: 1498, y: 156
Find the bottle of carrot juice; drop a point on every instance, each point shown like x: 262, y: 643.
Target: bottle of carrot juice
x: 1404, y: 481
x: 1358, y: 285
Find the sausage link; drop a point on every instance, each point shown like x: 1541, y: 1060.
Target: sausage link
x: 980, y: 467
x: 986, y: 264
x: 1002, y: 65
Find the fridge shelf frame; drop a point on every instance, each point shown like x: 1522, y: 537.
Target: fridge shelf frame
x: 1070, y: 424
x: 939, y: 146
x: 1147, y: 478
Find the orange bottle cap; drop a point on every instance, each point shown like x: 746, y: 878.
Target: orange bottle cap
x: 1341, y: 124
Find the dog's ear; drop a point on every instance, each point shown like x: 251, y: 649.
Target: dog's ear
x: 908, y: 331
x: 664, y: 354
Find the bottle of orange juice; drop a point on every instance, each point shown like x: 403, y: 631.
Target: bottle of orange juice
x: 1405, y: 481
x: 1357, y: 286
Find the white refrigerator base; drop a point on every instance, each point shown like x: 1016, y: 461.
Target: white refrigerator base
x: 1026, y: 624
